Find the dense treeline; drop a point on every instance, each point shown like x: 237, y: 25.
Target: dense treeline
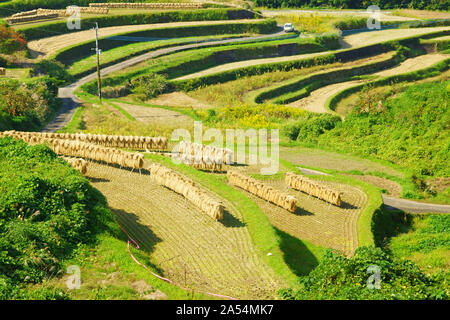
x: 340, y: 278
x: 46, y: 210
x: 357, y: 4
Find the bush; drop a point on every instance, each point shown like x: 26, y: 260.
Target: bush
x: 149, y: 86
x: 46, y: 210
x: 10, y: 40
x: 337, y: 277
x: 310, y: 128
x: 417, y: 120
x: 27, y: 105
x: 55, y: 70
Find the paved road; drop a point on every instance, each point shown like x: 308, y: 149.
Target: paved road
x: 70, y: 101
x: 399, y: 204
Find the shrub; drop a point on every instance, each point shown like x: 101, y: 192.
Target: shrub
x: 338, y: 277
x: 10, y: 40
x: 27, y: 105
x: 46, y: 210
x: 310, y: 128
x: 149, y: 86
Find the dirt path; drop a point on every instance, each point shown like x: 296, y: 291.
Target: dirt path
x: 352, y: 41
x: 316, y: 101
x: 45, y: 47
x: 217, y: 257
x: 160, y: 116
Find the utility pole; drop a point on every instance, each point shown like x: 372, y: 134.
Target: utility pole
x: 98, y: 51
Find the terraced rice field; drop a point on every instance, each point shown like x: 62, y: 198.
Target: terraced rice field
x: 333, y: 161
x: 47, y: 46
x: 315, y: 102
x: 178, y: 99
x: 188, y: 246
x: 351, y: 41
x: 315, y: 220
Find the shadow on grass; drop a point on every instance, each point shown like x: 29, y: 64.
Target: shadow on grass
x: 302, y: 212
x: 96, y: 180
x: 296, y: 255
x: 140, y: 233
x: 230, y: 221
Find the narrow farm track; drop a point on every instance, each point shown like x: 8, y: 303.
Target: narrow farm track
x: 315, y: 220
x: 316, y: 101
x: 351, y: 41
x: 45, y: 47
x: 217, y: 257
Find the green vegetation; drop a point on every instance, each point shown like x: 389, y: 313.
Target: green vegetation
x: 417, y: 138
x: 243, y: 90
x: 149, y: 86
x: 339, y: 277
x: 423, y: 239
x: 10, y: 40
x: 354, y: 4
x: 316, y: 24
x: 299, y: 88
x: 114, y: 50
x: 246, y: 116
x: 47, y: 209
x: 27, y: 105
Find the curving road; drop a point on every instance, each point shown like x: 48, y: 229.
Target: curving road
x: 71, y: 102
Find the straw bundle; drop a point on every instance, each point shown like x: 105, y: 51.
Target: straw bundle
x: 204, y: 157
x: 59, y: 12
x: 77, y: 163
x: 75, y: 148
x: 31, y: 18
x: 157, y: 5
x: 128, y: 142
x: 182, y: 185
x: 95, y: 10
x: 25, y: 13
x: 262, y: 190
x: 313, y: 188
